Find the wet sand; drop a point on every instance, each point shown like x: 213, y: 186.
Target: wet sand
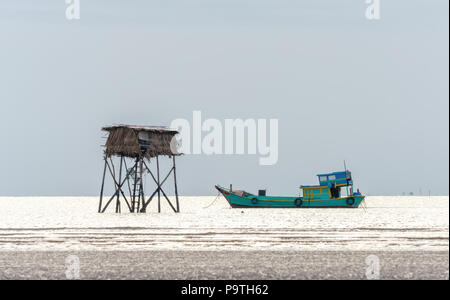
x: 227, y: 265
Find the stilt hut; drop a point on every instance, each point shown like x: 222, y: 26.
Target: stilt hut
x: 138, y: 144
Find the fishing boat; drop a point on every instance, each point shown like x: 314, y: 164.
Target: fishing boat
x: 328, y: 193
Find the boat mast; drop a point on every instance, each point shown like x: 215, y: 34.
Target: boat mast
x: 346, y: 187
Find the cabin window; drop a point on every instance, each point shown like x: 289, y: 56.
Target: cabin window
x: 323, y: 178
x: 332, y: 177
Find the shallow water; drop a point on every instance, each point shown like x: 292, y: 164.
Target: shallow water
x: 72, y: 223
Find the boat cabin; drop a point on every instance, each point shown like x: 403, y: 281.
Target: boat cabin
x: 329, y: 187
x: 336, y: 179
x: 316, y: 192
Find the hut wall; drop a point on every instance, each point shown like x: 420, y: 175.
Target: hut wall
x: 136, y: 143
x: 123, y: 141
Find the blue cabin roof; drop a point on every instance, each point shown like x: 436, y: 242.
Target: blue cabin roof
x: 336, y: 178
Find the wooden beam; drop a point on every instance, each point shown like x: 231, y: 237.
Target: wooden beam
x: 167, y: 198
x: 175, y: 182
x: 116, y: 184
x: 120, y: 179
x: 101, y: 190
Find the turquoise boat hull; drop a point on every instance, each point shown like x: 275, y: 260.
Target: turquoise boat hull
x: 253, y: 201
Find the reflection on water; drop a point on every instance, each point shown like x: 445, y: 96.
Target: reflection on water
x: 69, y: 223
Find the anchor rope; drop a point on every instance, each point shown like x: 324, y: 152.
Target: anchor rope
x: 217, y: 197
x: 363, y: 204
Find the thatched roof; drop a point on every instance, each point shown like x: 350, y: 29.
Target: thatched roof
x: 139, y: 141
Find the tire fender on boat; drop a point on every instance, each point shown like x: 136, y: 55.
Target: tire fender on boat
x: 350, y: 201
x: 298, y: 202
x: 254, y: 200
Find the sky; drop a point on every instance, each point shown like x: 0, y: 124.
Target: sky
x: 372, y: 93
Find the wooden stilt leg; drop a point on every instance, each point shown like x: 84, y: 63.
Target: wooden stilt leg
x: 120, y: 180
x: 159, y: 184
x: 118, y: 190
x: 141, y: 187
x: 134, y: 185
x: 117, y: 184
x: 138, y: 202
x: 175, y: 181
x: 101, y: 191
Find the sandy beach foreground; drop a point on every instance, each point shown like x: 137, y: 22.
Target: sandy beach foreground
x: 408, y: 235
x: 227, y: 265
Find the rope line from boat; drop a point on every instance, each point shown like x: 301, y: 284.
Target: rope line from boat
x: 363, y: 205
x: 217, y: 197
